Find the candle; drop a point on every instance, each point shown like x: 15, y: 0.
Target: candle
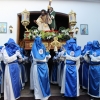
x: 55, y: 49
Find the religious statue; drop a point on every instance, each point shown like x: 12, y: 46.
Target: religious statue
x: 43, y: 21
x: 52, y: 16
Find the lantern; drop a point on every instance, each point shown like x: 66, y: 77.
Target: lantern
x: 72, y: 22
x: 72, y: 18
x: 25, y: 18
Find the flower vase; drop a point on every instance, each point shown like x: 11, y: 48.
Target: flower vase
x: 26, y: 34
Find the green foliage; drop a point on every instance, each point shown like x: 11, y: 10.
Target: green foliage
x: 61, y: 28
x: 62, y: 34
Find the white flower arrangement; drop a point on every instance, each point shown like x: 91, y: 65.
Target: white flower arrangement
x: 63, y: 34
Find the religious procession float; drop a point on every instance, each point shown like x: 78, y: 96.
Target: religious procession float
x: 52, y: 39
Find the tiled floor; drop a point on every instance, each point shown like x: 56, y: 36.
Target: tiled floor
x: 55, y: 91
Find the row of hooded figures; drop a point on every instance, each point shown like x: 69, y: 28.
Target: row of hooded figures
x: 70, y: 64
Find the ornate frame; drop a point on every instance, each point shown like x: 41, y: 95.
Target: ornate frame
x: 3, y: 27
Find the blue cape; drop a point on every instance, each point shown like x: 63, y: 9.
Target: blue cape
x: 95, y: 45
x: 87, y: 47
x: 38, y: 45
x: 95, y: 48
x: 72, y: 46
x: 11, y: 47
x: 66, y: 45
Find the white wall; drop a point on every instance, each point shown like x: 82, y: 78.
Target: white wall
x: 87, y: 13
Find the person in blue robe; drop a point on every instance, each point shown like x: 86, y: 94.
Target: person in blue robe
x: 60, y: 65
x: 40, y: 70
x: 94, y: 70
x: 72, y: 64
x: 31, y: 72
x: 63, y: 67
x: 12, y: 84
x: 25, y: 61
x: 85, y: 66
x: 0, y: 70
x: 2, y: 79
x: 80, y: 69
x: 54, y: 69
x: 22, y: 68
x: 80, y: 72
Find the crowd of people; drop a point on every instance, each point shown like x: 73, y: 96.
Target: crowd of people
x: 72, y: 68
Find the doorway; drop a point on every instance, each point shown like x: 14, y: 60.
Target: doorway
x: 62, y: 20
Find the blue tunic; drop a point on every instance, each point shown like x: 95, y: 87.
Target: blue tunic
x: 43, y: 78
x: 11, y: 48
x: 15, y: 80
x: 71, y: 76
x: 94, y: 80
x: 85, y: 66
x: 94, y: 71
x: 71, y: 79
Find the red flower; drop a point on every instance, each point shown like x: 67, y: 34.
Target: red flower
x: 52, y: 31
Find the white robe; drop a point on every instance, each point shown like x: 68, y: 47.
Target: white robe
x: 31, y: 77
x: 35, y: 81
x: 8, y: 90
x: 77, y: 59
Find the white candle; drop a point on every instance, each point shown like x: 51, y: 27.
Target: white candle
x: 55, y: 49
